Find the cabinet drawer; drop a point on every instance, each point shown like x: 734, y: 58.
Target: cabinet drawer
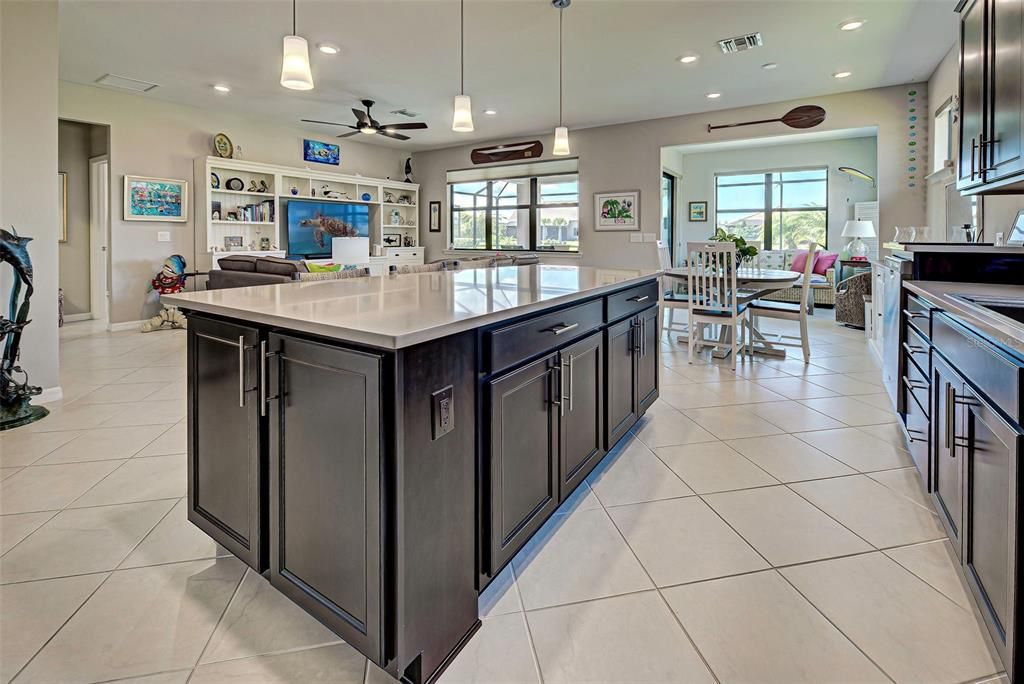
x: 517, y: 342
x: 410, y: 253
x: 631, y: 301
x: 916, y: 423
x: 916, y: 348
x: 915, y: 384
x: 994, y: 372
x: 918, y: 314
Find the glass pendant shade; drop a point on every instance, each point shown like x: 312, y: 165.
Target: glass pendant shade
x: 561, y: 147
x: 295, y: 73
x: 462, y: 121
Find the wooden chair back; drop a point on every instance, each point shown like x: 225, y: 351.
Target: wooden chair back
x: 711, y: 276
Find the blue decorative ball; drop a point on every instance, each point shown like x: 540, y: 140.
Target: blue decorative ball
x: 367, y: 197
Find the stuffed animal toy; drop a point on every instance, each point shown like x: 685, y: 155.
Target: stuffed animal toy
x: 169, y: 280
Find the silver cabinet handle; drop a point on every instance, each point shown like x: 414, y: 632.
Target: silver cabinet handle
x: 914, y: 349
x: 561, y: 386
x: 913, y: 384
x: 639, y: 299
x: 241, y: 371
x: 950, y: 418
x: 571, y: 393
x: 263, y: 377
x: 563, y: 328
x: 911, y: 433
x: 914, y: 314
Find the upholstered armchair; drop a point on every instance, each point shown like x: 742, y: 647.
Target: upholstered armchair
x: 850, y: 300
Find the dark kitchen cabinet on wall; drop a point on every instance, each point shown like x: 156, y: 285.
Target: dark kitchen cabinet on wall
x: 991, y: 145
x: 226, y: 469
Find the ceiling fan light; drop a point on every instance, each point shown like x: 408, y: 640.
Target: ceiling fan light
x: 561, y: 147
x: 368, y: 130
x: 462, y: 120
x: 295, y: 73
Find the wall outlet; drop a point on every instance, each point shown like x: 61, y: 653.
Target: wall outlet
x: 636, y: 237
x: 163, y: 236
x: 650, y: 237
x: 443, y: 411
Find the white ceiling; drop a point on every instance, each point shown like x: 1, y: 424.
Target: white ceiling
x: 620, y: 56
x: 775, y: 140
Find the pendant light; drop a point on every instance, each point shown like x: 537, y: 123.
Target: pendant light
x: 295, y: 73
x: 462, y: 120
x: 561, y: 147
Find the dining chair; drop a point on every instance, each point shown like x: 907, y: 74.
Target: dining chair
x: 788, y: 311
x: 711, y: 283
x: 674, y: 296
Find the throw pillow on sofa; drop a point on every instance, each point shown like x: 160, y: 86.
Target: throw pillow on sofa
x: 824, y: 262
x: 323, y: 268
x: 800, y: 260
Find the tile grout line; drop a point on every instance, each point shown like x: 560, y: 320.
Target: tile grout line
x: 526, y: 621
x: 213, y: 631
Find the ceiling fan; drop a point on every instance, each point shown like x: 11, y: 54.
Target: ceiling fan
x: 368, y: 125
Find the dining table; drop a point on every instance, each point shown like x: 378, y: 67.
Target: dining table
x: 753, y: 283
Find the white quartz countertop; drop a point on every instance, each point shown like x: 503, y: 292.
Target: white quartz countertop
x: 1001, y: 329
x: 396, y: 311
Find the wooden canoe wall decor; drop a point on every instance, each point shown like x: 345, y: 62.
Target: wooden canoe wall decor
x: 499, y: 153
x: 806, y: 116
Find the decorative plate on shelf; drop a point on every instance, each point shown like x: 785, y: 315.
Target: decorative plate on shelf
x: 222, y: 146
x: 214, y: 181
x: 235, y: 184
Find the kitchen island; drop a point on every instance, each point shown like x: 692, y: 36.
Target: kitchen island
x: 382, y: 447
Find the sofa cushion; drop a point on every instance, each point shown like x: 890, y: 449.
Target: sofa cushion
x: 800, y: 260
x: 323, y: 268
x: 238, y: 262
x: 824, y: 262
x: 279, y: 266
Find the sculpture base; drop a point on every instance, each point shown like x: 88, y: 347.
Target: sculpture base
x: 17, y: 415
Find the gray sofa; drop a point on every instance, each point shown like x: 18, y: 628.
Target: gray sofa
x: 242, y: 270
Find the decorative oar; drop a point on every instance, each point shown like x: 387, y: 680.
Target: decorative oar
x: 806, y: 116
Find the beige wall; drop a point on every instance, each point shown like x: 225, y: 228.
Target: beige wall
x: 149, y: 137
x: 627, y: 156
x: 73, y: 152
x: 28, y: 167
x: 698, y: 183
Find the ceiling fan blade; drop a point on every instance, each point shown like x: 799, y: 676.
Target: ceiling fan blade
x: 361, y: 116
x: 329, y: 123
x: 404, y: 126
x: 348, y: 135
x: 395, y: 136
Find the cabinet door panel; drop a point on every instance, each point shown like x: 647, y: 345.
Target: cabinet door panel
x: 647, y: 360
x: 325, y: 485
x: 582, y: 420
x: 225, y: 474
x: 947, y: 470
x: 1003, y: 144
x: 524, y: 455
x: 973, y: 55
x: 620, y: 396
x: 990, y: 540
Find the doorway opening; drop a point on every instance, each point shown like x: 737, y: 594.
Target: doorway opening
x: 83, y: 194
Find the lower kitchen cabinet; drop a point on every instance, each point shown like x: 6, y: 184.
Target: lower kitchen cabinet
x: 226, y: 472
x: 524, y: 455
x: 647, y: 360
x: 947, y: 459
x: 325, y: 485
x: 581, y: 415
x: 632, y: 372
x: 991, y: 546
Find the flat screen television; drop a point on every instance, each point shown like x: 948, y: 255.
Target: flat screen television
x: 312, y: 224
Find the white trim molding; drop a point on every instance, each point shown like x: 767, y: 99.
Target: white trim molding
x: 124, y: 326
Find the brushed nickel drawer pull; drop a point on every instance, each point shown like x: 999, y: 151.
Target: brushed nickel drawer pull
x: 562, y: 328
x: 241, y: 371
x: 914, y: 349
x: 639, y: 299
x: 913, y: 384
x: 911, y: 433
x: 914, y: 314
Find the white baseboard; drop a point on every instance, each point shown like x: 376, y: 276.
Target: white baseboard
x: 127, y: 325
x: 74, y: 318
x: 49, y: 394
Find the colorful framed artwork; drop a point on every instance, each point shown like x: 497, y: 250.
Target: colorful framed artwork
x: 321, y: 152
x: 155, y: 199
x: 435, y: 217
x: 617, y: 210
x: 62, y: 205
x: 699, y: 212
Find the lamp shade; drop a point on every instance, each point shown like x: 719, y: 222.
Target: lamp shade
x: 859, y: 229
x: 561, y: 147
x: 462, y: 120
x: 295, y: 73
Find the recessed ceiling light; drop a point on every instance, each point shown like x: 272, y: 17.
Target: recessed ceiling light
x: 713, y: 96
x: 328, y: 48
x: 490, y: 112
x: 842, y: 74
x: 222, y: 88
x: 769, y: 66
x: 851, y: 25
x: 688, y: 59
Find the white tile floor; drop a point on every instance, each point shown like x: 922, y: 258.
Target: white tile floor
x: 758, y: 526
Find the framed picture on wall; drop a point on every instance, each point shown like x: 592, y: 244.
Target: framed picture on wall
x: 435, y: 217
x: 321, y: 152
x: 155, y: 199
x: 62, y: 205
x: 699, y: 212
x: 617, y: 210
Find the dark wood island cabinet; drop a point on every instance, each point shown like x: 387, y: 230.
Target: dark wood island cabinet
x: 380, y: 455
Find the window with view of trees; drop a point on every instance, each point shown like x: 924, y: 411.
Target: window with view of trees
x: 539, y: 213
x: 776, y: 209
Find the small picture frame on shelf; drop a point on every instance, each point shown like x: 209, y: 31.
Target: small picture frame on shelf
x: 435, y: 217
x: 215, y: 210
x: 392, y: 239
x: 232, y: 242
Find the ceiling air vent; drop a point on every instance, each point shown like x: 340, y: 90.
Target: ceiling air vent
x: 125, y: 83
x: 740, y: 43
x: 405, y: 112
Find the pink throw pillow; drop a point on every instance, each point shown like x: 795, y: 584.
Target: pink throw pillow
x: 824, y: 262
x: 799, y: 261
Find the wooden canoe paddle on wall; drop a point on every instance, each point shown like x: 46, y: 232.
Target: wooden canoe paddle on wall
x: 806, y: 116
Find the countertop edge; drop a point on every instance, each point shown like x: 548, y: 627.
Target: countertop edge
x: 1001, y: 333
x: 393, y: 342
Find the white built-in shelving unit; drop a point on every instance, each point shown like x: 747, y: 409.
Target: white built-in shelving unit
x: 258, y: 216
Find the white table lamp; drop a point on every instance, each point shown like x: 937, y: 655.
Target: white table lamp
x: 858, y: 230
